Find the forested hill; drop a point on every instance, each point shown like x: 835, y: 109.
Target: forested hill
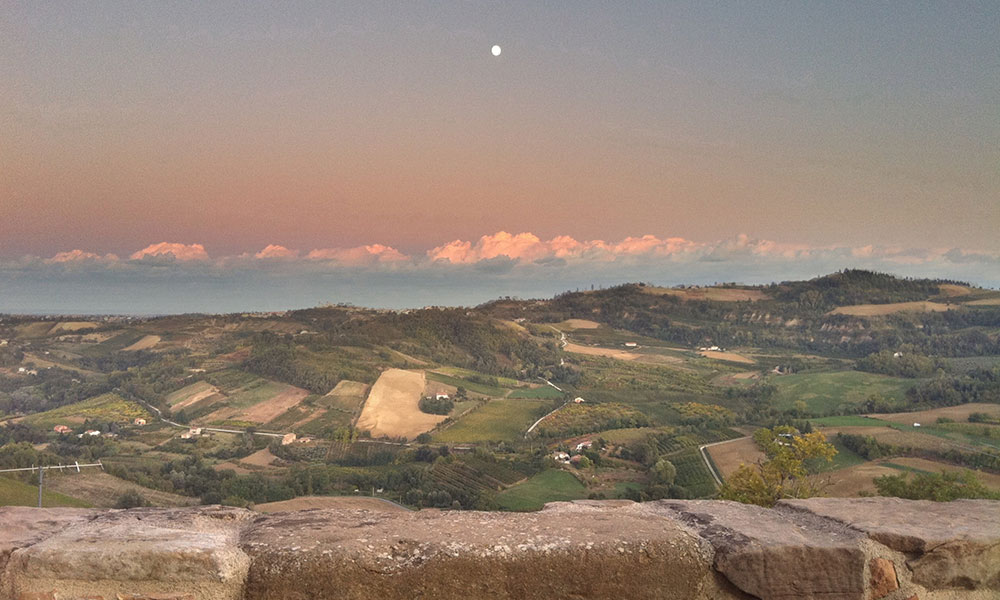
x: 852, y: 313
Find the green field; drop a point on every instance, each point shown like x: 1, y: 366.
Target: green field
x: 552, y: 485
x: 19, y: 493
x: 479, y: 388
x: 692, y: 473
x: 545, y: 391
x: 823, y: 393
x: 497, y: 420
x: 106, y: 407
x: 849, y: 421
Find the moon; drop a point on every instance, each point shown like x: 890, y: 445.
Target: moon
x: 495, y: 50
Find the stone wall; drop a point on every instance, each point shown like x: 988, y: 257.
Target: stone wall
x: 850, y: 549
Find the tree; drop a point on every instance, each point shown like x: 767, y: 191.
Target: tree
x: 131, y: 499
x: 940, y: 487
x: 784, y: 473
x: 663, y: 472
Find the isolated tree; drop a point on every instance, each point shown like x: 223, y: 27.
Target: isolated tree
x: 663, y: 472
x: 784, y: 473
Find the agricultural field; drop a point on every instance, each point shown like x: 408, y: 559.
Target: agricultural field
x: 496, y: 420
x: 958, y: 413
x: 727, y: 356
x: 872, y: 310
x: 716, y: 294
x: 693, y: 474
x: 577, y: 419
x: 541, y: 392
x: 552, y: 485
x: 824, y: 393
x: 145, y: 343
x: 494, y: 391
x: 106, y: 407
x: 334, y: 502
x: 392, y: 408
x: 192, y: 394
x: 728, y: 456
x: 596, y: 351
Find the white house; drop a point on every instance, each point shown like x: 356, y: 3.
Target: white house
x: 440, y: 396
x: 631, y: 345
x: 561, y: 457
x: 583, y: 445
x: 140, y: 421
x: 579, y: 400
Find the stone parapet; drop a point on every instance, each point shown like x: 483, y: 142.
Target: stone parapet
x: 834, y: 549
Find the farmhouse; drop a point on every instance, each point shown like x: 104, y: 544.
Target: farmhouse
x: 631, y: 345
x: 288, y: 439
x: 579, y: 400
x: 582, y: 445
x: 139, y: 421
x: 561, y: 457
x: 61, y: 429
x: 440, y: 396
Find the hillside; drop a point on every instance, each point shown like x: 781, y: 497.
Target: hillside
x: 470, y: 408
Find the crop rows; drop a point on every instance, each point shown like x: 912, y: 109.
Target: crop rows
x: 693, y: 474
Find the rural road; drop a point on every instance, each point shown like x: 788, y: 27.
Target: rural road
x: 708, y: 463
x: 535, y: 424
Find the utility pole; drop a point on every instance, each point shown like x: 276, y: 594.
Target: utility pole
x: 41, y: 476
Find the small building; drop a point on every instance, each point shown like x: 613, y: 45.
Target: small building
x: 61, y: 429
x: 582, y: 445
x: 90, y: 432
x: 561, y: 457
x: 21, y: 369
x: 194, y: 432
x: 304, y: 440
x: 463, y: 449
x: 140, y: 421
x: 916, y: 424
x: 631, y: 345
x: 440, y: 396
x: 579, y: 400
x: 288, y: 439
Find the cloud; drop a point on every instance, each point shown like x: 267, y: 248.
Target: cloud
x: 275, y: 251
x: 181, y: 252
x: 359, y: 256
x: 76, y: 256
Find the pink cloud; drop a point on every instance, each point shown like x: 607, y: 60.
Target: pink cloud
x: 178, y: 251
x: 361, y: 255
x: 276, y: 251
x: 79, y: 256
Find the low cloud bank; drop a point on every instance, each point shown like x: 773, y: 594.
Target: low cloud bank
x: 170, y: 277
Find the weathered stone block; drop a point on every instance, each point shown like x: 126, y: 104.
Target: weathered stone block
x: 882, y: 578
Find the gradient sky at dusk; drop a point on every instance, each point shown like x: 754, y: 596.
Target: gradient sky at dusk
x: 236, y: 126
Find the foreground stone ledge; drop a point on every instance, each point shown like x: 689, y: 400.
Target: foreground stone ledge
x: 948, y: 545
x: 834, y: 549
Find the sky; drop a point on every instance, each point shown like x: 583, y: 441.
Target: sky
x: 170, y: 157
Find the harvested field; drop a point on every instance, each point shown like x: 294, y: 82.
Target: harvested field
x: 717, y: 294
x: 933, y: 466
x: 728, y: 456
x: 607, y: 352
x: 188, y: 395
x: 887, y: 435
x: 735, y: 378
x: 338, y: 502
x: 959, y: 413
x: 103, y: 489
x: 145, y: 343
x: 849, y: 482
x: 72, y: 326
x: 579, y: 324
x: 728, y: 356
x: 348, y: 388
x: 952, y: 290
x: 260, y: 458
x: 872, y: 310
x: 985, y: 302
x: 392, y: 408
x: 269, y: 409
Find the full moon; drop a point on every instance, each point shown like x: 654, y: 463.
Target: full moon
x: 496, y: 50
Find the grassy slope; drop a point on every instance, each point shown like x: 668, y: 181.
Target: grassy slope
x: 18, y: 493
x: 823, y: 392
x: 496, y: 420
x: 106, y: 407
x: 552, y: 485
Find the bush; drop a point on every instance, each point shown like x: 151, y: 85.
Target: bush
x: 436, y: 406
x: 131, y: 499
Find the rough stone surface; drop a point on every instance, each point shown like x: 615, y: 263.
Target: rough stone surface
x: 138, y: 552
x: 883, y: 578
x: 774, y: 555
x: 948, y: 544
x: 824, y: 549
x: 564, y: 551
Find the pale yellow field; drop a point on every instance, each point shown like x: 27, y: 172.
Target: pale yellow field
x: 579, y: 324
x: 188, y: 395
x: 849, y: 482
x: 346, y: 387
x: 71, y: 326
x: 392, y: 408
x: 260, y: 458
x: 959, y: 413
x: 730, y: 356
x: 952, y: 290
x: 730, y: 455
x: 985, y: 302
x: 873, y: 310
x: 594, y: 351
x: 717, y: 294
x: 144, y: 344
x: 340, y: 502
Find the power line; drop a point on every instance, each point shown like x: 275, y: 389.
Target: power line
x: 42, y: 469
